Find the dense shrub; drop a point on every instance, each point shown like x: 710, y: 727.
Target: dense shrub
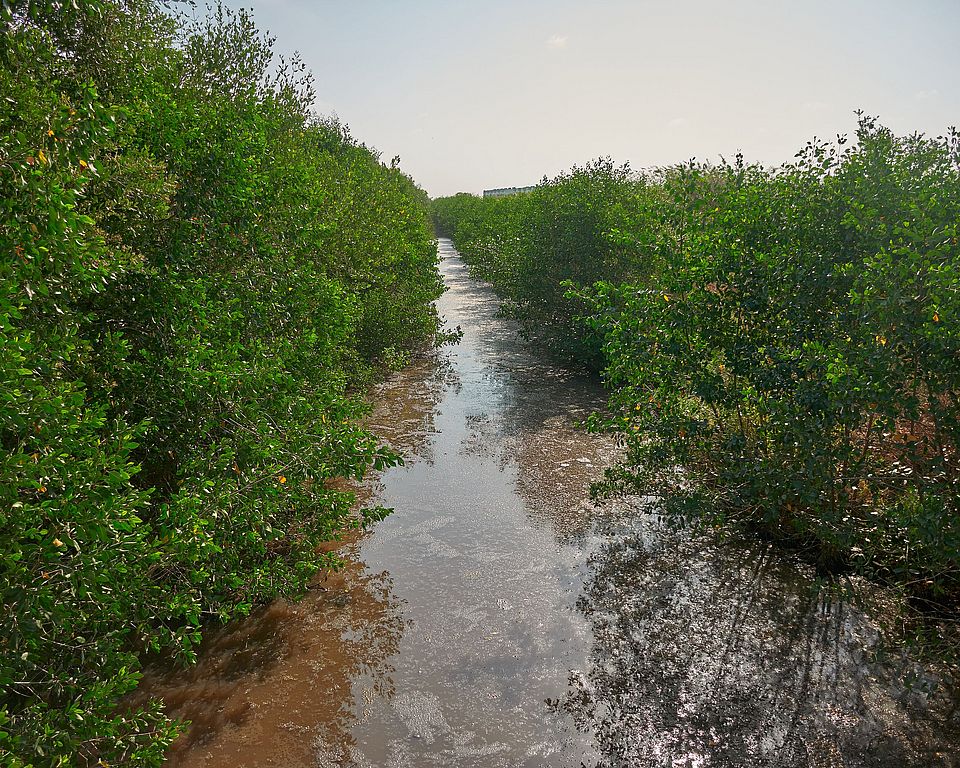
x: 529, y: 245
x: 197, y: 278
x: 781, y: 345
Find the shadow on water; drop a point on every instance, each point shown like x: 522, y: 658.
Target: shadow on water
x: 727, y: 654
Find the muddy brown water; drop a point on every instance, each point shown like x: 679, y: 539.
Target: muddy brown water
x: 498, y: 618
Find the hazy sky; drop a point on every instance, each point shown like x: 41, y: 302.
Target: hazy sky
x: 494, y: 93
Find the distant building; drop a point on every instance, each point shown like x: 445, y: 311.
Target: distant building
x: 507, y: 191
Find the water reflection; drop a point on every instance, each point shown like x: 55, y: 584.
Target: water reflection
x: 265, y: 689
x: 403, y: 416
x: 709, y: 654
x: 481, y: 557
x: 529, y: 411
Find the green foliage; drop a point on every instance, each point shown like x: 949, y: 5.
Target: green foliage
x: 781, y: 345
x: 530, y: 245
x: 446, y: 213
x: 197, y: 275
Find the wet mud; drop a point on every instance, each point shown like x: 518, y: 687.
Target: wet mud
x: 499, y: 618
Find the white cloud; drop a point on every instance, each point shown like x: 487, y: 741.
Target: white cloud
x: 557, y: 41
x: 927, y: 95
x: 678, y: 122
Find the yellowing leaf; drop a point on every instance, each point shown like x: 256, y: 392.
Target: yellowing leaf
x: 282, y: 479
x: 57, y: 543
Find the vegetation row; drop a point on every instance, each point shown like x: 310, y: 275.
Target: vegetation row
x: 782, y: 346
x: 197, y: 277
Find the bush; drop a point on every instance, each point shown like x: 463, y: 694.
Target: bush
x: 529, y: 246
x: 198, y: 278
x: 781, y: 345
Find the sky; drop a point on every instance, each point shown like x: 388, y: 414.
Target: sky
x: 498, y: 93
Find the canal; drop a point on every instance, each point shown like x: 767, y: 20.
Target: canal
x: 499, y: 618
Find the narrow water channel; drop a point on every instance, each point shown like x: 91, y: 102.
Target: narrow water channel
x: 498, y: 618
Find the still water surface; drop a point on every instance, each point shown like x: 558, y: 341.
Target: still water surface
x: 498, y: 618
